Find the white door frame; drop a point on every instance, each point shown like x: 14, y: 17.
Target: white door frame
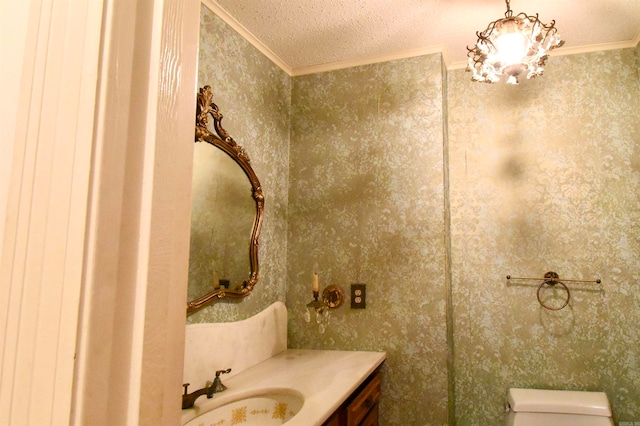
x: 95, y: 183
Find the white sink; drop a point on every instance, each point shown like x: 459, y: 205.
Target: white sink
x: 263, y: 409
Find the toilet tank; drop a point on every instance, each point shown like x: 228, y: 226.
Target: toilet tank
x: 535, y: 407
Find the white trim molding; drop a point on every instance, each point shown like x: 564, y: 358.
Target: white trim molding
x: 131, y: 333
x: 247, y: 35
x: 332, y: 66
x: 97, y: 129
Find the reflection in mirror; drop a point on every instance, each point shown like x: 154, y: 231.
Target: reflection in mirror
x: 227, y: 209
x: 222, y: 214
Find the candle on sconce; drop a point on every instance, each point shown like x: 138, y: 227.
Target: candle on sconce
x: 216, y: 280
x: 315, y: 282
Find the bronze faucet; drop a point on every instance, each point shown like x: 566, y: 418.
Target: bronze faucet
x: 188, y: 399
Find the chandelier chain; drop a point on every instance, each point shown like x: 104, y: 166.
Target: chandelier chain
x: 509, y: 12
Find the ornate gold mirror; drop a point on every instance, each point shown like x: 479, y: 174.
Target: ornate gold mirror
x: 226, y: 213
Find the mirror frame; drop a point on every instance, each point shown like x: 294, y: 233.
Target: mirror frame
x: 205, y: 108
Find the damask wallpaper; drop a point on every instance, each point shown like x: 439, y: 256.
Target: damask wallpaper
x: 366, y: 204
x: 362, y: 169
x: 545, y: 176
x: 253, y: 95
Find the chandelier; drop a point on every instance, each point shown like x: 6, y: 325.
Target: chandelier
x: 512, y: 46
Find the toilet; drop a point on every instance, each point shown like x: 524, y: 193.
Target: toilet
x: 535, y: 407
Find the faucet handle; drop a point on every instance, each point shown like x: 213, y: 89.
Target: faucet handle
x: 185, y: 386
x: 219, y: 372
x: 217, y: 383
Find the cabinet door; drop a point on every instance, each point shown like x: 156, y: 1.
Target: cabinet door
x: 358, y: 409
x: 333, y: 420
x: 372, y: 417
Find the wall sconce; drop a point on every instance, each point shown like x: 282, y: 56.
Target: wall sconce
x: 512, y: 46
x: 332, y: 297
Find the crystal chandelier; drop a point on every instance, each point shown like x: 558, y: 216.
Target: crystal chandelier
x: 512, y: 46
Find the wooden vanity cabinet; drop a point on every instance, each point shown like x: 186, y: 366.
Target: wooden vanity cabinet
x: 361, y: 408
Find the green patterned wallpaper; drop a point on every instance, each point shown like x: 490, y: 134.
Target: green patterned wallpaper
x: 366, y: 203
x: 253, y: 94
x: 543, y: 176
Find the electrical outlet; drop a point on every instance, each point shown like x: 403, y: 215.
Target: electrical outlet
x: 358, y: 296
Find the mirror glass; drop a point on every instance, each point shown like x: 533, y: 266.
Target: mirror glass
x: 226, y: 213
x: 222, y: 214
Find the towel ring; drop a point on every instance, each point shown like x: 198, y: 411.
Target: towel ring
x: 551, y: 279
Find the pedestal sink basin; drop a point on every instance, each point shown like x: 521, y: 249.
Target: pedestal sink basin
x: 273, y: 408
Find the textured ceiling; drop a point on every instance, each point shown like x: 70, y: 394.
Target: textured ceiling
x: 309, y: 35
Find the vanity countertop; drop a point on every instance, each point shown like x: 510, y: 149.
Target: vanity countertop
x: 324, y: 378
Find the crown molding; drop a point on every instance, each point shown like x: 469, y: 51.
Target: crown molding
x: 373, y: 59
x: 366, y: 60
x: 247, y: 35
x: 563, y: 51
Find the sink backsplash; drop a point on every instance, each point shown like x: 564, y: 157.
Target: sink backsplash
x: 237, y: 345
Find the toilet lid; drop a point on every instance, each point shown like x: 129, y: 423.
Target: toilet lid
x: 559, y: 401
x: 549, y: 419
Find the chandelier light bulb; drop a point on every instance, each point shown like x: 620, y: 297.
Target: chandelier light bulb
x: 511, y: 48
